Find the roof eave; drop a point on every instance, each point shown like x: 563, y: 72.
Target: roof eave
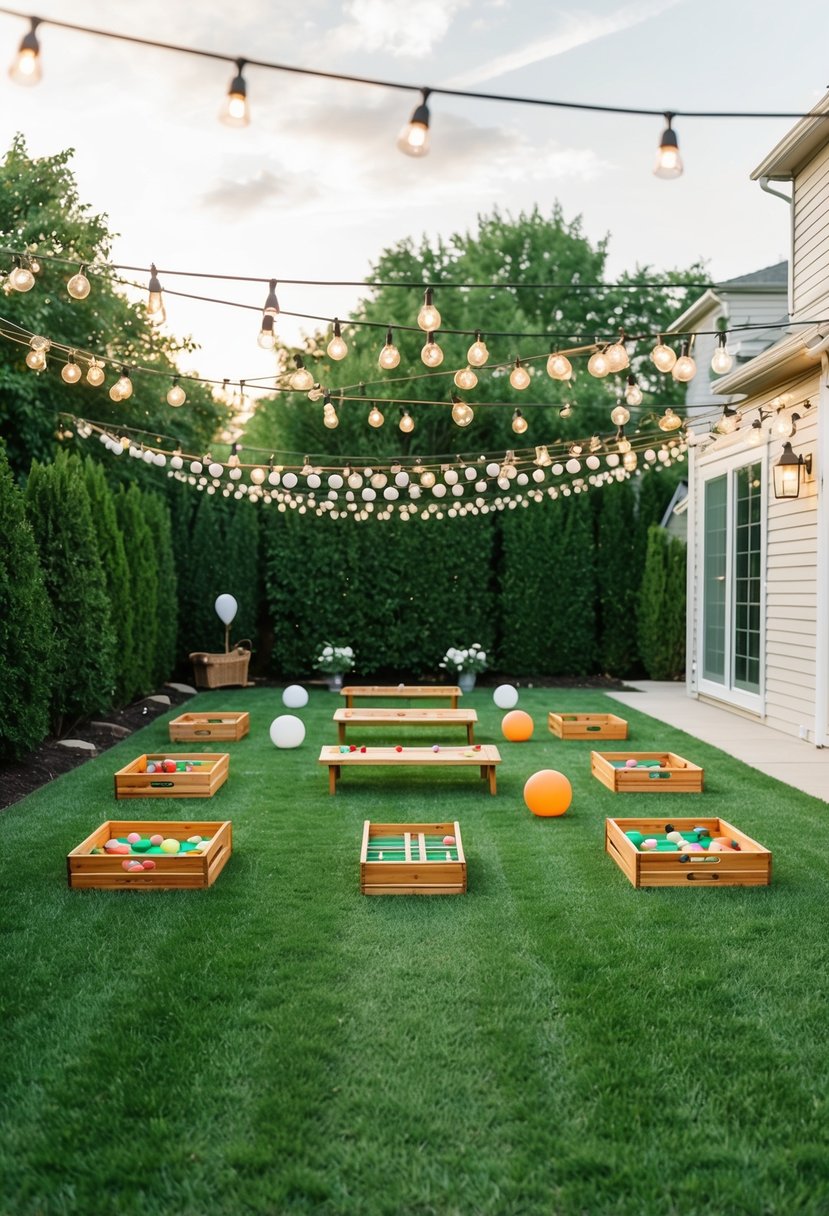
x: 791, y: 356
x: 797, y: 145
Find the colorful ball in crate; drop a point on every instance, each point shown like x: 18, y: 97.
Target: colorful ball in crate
x: 287, y: 731
x: 295, y: 697
x: 194, y: 839
x: 141, y: 845
x: 649, y: 843
x: 156, y: 840
x: 133, y: 837
x: 148, y: 864
x: 168, y: 766
x: 505, y: 696
x: 630, y: 763
x: 517, y: 726
x: 152, y: 766
x: 169, y: 845
x: 548, y: 793
x: 448, y: 840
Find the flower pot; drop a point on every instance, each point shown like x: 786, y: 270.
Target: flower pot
x: 466, y: 681
x: 335, y: 681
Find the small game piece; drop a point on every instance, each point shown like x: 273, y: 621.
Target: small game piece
x: 649, y: 843
x: 448, y: 855
x: 156, y: 840
x: 380, y: 855
x: 142, y: 845
x: 398, y: 748
x: 676, y: 837
x: 148, y: 864
x: 477, y: 747
x: 151, y: 766
x: 435, y: 747
x: 133, y: 838
x: 362, y: 749
x: 194, y: 839
x: 449, y: 840
x: 353, y: 747
x: 169, y: 845
x: 630, y: 763
x: 669, y: 827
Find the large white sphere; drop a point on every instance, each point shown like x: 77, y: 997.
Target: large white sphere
x: 505, y: 696
x: 287, y: 731
x: 226, y: 608
x: 294, y: 696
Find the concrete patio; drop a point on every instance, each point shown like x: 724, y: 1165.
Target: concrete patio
x: 790, y: 760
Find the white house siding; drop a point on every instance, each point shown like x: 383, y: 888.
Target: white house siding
x: 810, y: 264
x: 738, y: 308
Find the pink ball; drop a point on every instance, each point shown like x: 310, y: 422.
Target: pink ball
x: 630, y: 764
x: 435, y: 747
x: 112, y: 845
x: 148, y: 864
x: 650, y: 843
x: 449, y: 840
x: 156, y: 840
x: 134, y: 837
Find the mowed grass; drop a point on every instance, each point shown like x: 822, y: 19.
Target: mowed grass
x: 554, y: 1042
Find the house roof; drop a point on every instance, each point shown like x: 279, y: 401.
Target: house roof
x: 678, y: 504
x: 771, y: 279
x: 776, y: 276
x: 797, y: 146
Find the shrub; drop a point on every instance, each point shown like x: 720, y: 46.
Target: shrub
x: 617, y: 577
x: 116, y: 574
x: 139, y: 665
x: 157, y: 518
x: 662, y: 607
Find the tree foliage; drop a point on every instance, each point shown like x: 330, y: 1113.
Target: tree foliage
x: 157, y: 518
x: 662, y: 606
x: 116, y: 573
x: 139, y: 665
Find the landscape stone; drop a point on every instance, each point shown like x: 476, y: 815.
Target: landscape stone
x: 80, y: 745
x: 160, y: 698
x: 185, y: 688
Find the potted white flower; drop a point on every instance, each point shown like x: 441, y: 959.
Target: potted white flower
x: 464, y: 664
x: 333, y: 661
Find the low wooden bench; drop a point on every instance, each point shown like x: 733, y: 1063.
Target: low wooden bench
x: 485, y: 758
x: 406, y: 717
x: 410, y: 691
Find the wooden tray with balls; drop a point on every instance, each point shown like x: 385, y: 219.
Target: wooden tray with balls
x: 587, y: 726
x: 151, y: 855
x: 647, y: 773
x: 412, y: 859
x: 175, y: 775
x: 219, y: 725
x: 686, y: 852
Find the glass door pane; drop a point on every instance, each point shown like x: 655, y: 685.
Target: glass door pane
x: 747, y: 562
x: 715, y: 522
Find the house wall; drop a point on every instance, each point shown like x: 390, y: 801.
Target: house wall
x: 762, y: 308
x: 810, y: 264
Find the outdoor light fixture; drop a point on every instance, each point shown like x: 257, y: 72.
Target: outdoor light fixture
x: 668, y: 161
x: 301, y: 379
x: 669, y: 420
x: 519, y: 422
x: 389, y: 355
x: 78, y: 286
x: 787, y: 472
x: 617, y: 356
x: 428, y: 317
x: 477, y: 353
x: 685, y: 368
x: 619, y: 415
x: 267, y: 338
x: 70, y: 372
x: 566, y: 410
x: 95, y: 373
x: 559, y: 367
x: 465, y: 378
x: 663, y: 357
x: 407, y: 423
x: 26, y: 66
x: 729, y: 421
x: 337, y: 347
x: 414, y: 138
x: 519, y: 377
x: 633, y: 393
x: 598, y: 364
x: 234, y: 111
x: 22, y: 278
x: 155, y: 302
x: 376, y: 417
x: 721, y: 360
x: 176, y: 395
x: 431, y: 354
x: 462, y: 414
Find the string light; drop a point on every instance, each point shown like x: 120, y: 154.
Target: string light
x: 633, y: 393
x: 271, y: 308
x: 519, y: 377
x: 428, y: 318
x: 95, y: 373
x: 122, y: 388
x: 155, y: 301
x: 462, y: 413
x: 566, y: 410
x: 729, y: 422
x: 668, y: 161
x: 176, y: 395
x: 559, y: 367
x: 407, y: 423
x: 79, y: 286
x: 619, y: 415
x: 477, y: 354
x: 329, y: 414
x: 301, y: 379
x: 36, y: 360
x: 389, y: 355
x: 598, y: 364
x: 70, y: 373
x: 376, y: 418
x: 617, y: 355
x: 25, y: 69
x: 685, y: 368
x: 414, y: 138
x: 21, y: 277
x: 235, y: 111
x: 669, y: 421
x: 519, y: 422
x: 431, y: 354
x: 465, y: 379
x: 266, y: 338
x: 721, y: 360
x: 663, y: 357
x: 337, y: 348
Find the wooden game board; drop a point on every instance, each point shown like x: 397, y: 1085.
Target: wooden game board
x: 411, y: 859
x: 395, y: 691
x: 180, y: 870
x: 133, y: 781
x: 655, y: 773
x: 406, y: 717
x: 219, y: 725
x: 485, y: 758
x: 751, y: 867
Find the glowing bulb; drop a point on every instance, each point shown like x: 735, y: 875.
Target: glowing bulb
x: 427, y: 480
x: 95, y: 373
x: 329, y: 418
x: 633, y: 393
x: 271, y: 308
x: 301, y: 379
x: 375, y: 417
x: 519, y: 377
x: 38, y: 342
x: 519, y: 422
x: 598, y: 364
x: 619, y: 415
x: 465, y: 378
x: 407, y: 422
x: 414, y: 138
x: 70, y: 372
x: 79, y: 286
x: 234, y: 111
x: 36, y: 360
x: 663, y: 357
x: 668, y: 161
x: 462, y: 414
x: 428, y: 318
x: 124, y: 386
x: 721, y: 360
x: 21, y: 278
x: 755, y: 434
x: 337, y: 347
x: 115, y: 392
x: 685, y: 368
x: 566, y: 410
x: 176, y: 395
x: 155, y: 300
x: 559, y: 367
x: 389, y: 355
x: 729, y: 422
x: 266, y: 338
x: 782, y: 425
x: 477, y: 354
x: 617, y: 357
x: 26, y: 66
x: 431, y: 354
x: 669, y: 420
x: 630, y: 460
x: 622, y: 444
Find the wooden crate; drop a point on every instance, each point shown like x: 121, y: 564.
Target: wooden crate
x: 395, y: 691
x: 133, y: 781
x: 670, y: 774
x: 187, y: 871
x: 587, y: 726
x: 219, y: 725
x: 751, y: 867
x: 419, y: 864
x: 485, y: 757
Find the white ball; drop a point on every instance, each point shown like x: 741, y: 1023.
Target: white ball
x: 287, y: 731
x: 294, y: 697
x: 505, y: 696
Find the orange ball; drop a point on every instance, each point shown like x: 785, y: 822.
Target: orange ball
x: 517, y: 726
x: 548, y: 793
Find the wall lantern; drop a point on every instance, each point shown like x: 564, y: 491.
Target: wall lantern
x: 788, y: 471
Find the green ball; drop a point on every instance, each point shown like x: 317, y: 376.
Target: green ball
x: 141, y: 846
x: 635, y: 838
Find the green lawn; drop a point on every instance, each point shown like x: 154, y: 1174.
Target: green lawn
x: 554, y: 1042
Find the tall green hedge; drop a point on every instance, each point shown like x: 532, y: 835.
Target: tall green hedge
x: 116, y: 573
x: 618, y: 566
x: 662, y: 606
x: 26, y: 628
x: 205, y: 563
x: 243, y: 570
x: 139, y: 665
x: 157, y: 518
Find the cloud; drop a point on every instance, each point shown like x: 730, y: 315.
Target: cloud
x: 235, y: 197
x: 395, y: 27
x: 577, y: 30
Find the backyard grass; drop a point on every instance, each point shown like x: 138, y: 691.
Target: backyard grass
x: 553, y: 1043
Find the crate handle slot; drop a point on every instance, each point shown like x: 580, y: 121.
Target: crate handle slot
x: 163, y: 785
x: 696, y: 877
x: 658, y: 775
x: 201, y: 732
x: 594, y: 728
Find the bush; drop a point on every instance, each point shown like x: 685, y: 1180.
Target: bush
x: 157, y: 518
x: 662, y: 607
x: 205, y: 561
x: 617, y: 577
x: 116, y: 573
x: 139, y: 667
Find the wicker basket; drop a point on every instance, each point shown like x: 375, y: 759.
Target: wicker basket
x: 220, y: 670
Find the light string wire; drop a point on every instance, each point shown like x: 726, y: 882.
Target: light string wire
x: 377, y: 82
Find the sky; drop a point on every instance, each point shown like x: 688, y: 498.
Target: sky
x: 314, y: 187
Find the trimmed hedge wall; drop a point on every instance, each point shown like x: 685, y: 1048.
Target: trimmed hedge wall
x: 662, y: 606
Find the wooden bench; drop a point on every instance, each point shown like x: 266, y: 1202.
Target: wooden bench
x: 406, y: 717
x: 485, y: 758
x: 410, y: 691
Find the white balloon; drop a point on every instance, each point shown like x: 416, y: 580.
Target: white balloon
x: 295, y: 696
x: 226, y: 608
x: 505, y: 696
x: 287, y: 731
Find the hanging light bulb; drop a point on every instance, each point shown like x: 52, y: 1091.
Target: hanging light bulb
x: 566, y: 410
x: 669, y: 421
x: 619, y: 415
x: 414, y: 138
x: 477, y: 354
x: 685, y: 368
x: 389, y: 355
x: 271, y: 306
x: 668, y: 161
x: 519, y: 422
x: 622, y: 442
x: 26, y: 66
x: 234, y: 111
x: 428, y: 318
x: 559, y: 367
x: 407, y: 422
x: 39, y: 342
x: 337, y: 348
x: 784, y: 426
x: 431, y: 353
x: 266, y: 338
x: 36, y: 360
x: 21, y: 278
x: 598, y: 365
x: 123, y: 385
x: 79, y: 286
x: 301, y: 379
x: 176, y: 395
x: 155, y: 301
x: 721, y: 360
x: 329, y: 414
x: 617, y: 356
x: 462, y: 414
x: 630, y: 461
x: 519, y: 377
x: 755, y: 433
x: 465, y: 378
x: 95, y: 373
x: 376, y: 418
x: 70, y: 373
x: 633, y: 393
x: 663, y: 357
x: 729, y: 422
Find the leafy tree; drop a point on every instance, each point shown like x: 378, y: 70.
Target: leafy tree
x: 662, y: 605
x: 25, y: 627
x: 157, y: 518
x: 83, y: 667
x: 139, y: 664
x: 116, y: 573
